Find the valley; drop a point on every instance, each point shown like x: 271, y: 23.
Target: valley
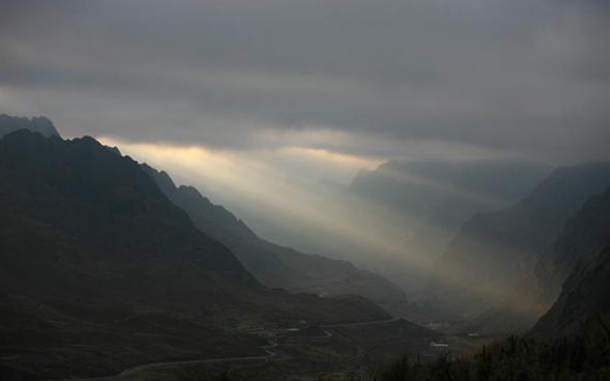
x: 304, y: 190
x: 109, y: 271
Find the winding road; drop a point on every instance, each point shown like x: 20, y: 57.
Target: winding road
x: 359, y: 324
x: 169, y: 364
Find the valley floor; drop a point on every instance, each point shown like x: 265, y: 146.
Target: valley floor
x: 351, y: 351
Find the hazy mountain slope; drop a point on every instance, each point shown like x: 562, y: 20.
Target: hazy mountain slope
x: 100, y: 271
x: 209, y: 217
x: 494, y: 251
x: 274, y: 265
x: 582, y: 255
x: 584, y: 233
x: 41, y: 125
x: 585, y: 296
x: 571, y: 340
x: 447, y: 193
x: 397, y: 182
x: 431, y: 200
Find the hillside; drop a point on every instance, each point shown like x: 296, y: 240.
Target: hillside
x: 581, y: 257
x: 493, y: 252
x: 584, y: 297
x: 583, y: 234
x: 276, y: 266
x: 569, y: 342
x: 100, y: 271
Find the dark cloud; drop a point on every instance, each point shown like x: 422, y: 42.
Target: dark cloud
x: 512, y: 77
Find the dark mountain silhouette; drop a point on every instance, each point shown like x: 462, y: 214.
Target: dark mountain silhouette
x: 208, y: 217
x: 584, y: 233
x: 493, y: 252
x: 569, y: 342
x: 99, y: 271
x: 42, y: 125
x: 575, y: 274
x: 277, y: 266
x: 584, y: 297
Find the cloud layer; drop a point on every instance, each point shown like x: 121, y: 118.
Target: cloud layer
x: 386, y: 79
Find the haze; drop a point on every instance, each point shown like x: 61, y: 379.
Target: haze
x: 273, y: 107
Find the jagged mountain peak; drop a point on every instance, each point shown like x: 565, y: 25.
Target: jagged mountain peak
x: 40, y: 124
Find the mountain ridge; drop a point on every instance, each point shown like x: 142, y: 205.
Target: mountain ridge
x: 97, y: 263
x: 277, y: 266
x: 497, y: 249
x: 40, y: 124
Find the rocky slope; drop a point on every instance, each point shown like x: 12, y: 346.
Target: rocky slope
x: 99, y: 271
x: 583, y: 235
x: 575, y: 275
x: 493, y: 252
x: 274, y: 265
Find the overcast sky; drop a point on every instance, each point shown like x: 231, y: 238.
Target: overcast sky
x: 361, y: 80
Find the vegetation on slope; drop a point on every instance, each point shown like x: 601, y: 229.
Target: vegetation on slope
x: 100, y: 272
x: 581, y: 356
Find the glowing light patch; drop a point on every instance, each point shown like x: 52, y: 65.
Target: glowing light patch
x: 260, y: 185
x: 335, y: 157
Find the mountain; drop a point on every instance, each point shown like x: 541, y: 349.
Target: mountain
x: 274, y: 265
x: 99, y: 271
x: 575, y: 274
x: 42, y: 125
x: 497, y: 179
x: 448, y: 193
x: 494, y: 251
x: 584, y: 297
x: 584, y: 233
x: 431, y: 200
x: 571, y: 341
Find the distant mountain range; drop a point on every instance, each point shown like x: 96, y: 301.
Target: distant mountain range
x: 106, y: 264
x: 495, y: 252
x: 570, y: 288
x: 277, y: 266
x: 433, y: 199
x: 99, y: 271
x: 448, y: 192
x: 40, y: 124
